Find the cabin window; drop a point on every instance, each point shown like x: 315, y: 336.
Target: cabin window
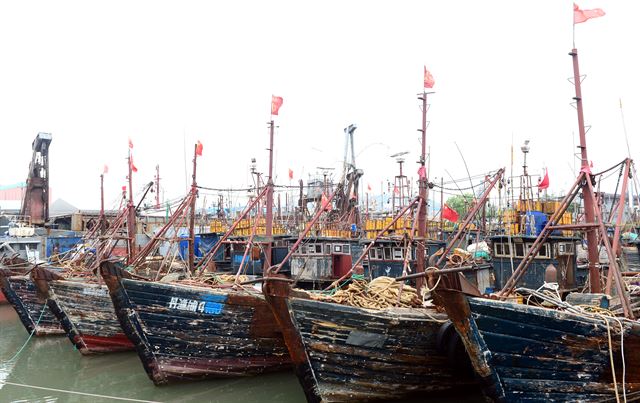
x: 314, y: 249
x: 346, y: 248
x: 544, y: 251
x: 502, y: 249
x: 375, y: 253
x: 387, y: 253
x: 519, y: 249
x: 397, y: 254
x: 303, y: 249
x: 565, y: 248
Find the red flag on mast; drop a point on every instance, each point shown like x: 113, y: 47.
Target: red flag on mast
x: 133, y: 167
x: 130, y: 143
x: 544, y: 183
x: 105, y: 169
x: 580, y: 16
x: 428, y: 79
x: 449, y: 214
x: 199, y: 149
x: 290, y: 174
x: 276, y: 103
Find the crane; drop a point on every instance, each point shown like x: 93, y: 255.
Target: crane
x: 35, y: 204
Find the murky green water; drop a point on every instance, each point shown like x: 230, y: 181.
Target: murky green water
x: 52, y: 363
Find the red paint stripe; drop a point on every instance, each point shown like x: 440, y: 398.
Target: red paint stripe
x: 99, y: 344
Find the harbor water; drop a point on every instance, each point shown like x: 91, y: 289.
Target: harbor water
x: 48, y: 370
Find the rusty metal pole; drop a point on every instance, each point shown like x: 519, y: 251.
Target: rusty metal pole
x: 157, y: 186
x: 441, y: 209
x: 101, y: 195
x: 422, y: 186
x: 302, y: 203
x: 131, y: 217
x: 592, y: 240
x: 620, y: 212
x: 192, y: 212
x: 269, y: 217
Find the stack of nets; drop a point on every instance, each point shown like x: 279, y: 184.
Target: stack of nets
x: 380, y: 293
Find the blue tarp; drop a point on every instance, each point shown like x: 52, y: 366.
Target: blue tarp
x: 63, y: 243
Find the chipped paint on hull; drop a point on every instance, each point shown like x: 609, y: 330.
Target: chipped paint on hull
x: 342, y: 353
x: 526, y: 353
x: 192, y: 333
x: 34, y: 314
x: 86, y: 313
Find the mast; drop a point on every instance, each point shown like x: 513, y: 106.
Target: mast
x: 157, y: 186
x: 192, y: 212
x: 422, y: 193
x: 269, y: 215
x: 592, y: 239
x: 131, y: 217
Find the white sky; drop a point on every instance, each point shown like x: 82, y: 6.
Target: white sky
x: 95, y: 73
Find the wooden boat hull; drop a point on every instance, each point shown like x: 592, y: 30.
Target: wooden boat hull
x: 85, y: 311
x: 525, y: 353
x: 31, y: 308
x: 192, y: 333
x: 341, y: 353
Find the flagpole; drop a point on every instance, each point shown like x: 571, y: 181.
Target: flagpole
x: 131, y: 217
x: 592, y: 241
x: 192, y: 213
x: 269, y: 217
x: 422, y: 208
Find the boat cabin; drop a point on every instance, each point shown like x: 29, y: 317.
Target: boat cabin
x: 386, y: 257
x: 508, y: 251
x: 324, y: 259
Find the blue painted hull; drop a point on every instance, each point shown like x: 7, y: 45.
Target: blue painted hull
x: 182, y: 332
x: 526, y: 353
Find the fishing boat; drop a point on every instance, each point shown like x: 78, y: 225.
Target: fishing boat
x: 79, y: 298
x: 548, y: 346
x: 190, y: 332
x: 346, y: 348
x: 207, y: 325
x: 30, y: 306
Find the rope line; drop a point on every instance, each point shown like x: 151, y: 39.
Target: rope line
x: 12, y: 359
x: 77, y: 393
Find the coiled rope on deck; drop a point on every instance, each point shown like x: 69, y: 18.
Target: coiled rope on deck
x: 382, y: 292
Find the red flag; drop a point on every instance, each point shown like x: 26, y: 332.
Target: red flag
x: 428, y: 79
x: 199, y: 149
x: 133, y: 167
x: 369, y: 187
x: 422, y: 172
x: 326, y: 205
x: 290, y: 173
x: 583, y: 15
x: 276, y: 103
x: 124, y: 189
x: 544, y: 183
x: 396, y: 190
x: 105, y: 170
x: 449, y: 214
x: 130, y: 143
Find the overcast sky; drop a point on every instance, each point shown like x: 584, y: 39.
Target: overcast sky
x: 168, y: 73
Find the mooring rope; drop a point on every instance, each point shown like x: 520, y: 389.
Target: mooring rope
x: 77, y: 393
x: 28, y: 338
